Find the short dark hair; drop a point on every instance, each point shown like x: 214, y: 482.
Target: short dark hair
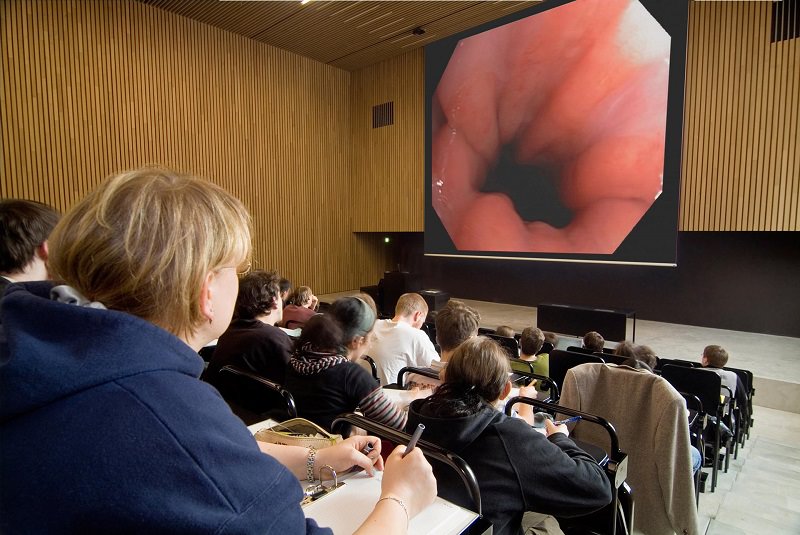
x: 258, y: 294
x: 285, y: 285
x: 322, y: 333
x: 531, y: 340
x: 24, y: 226
x: 455, y: 323
x: 593, y: 340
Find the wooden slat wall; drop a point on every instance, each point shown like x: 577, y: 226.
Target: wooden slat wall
x: 93, y: 87
x: 388, y: 162
x: 741, y: 164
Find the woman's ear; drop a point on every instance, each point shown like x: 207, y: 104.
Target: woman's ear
x: 206, y: 297
x: 506, y: 390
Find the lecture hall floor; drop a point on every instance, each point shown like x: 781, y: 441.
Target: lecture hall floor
x: 760, y: 494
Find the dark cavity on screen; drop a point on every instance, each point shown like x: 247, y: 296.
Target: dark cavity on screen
x: 530, y: 187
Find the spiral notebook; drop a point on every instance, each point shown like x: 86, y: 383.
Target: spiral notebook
x: 344, y: 509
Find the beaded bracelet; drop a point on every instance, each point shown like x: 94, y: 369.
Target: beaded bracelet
x: 312, y: 455
x: 398, y: 500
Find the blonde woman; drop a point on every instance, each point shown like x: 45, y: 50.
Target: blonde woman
x: 105, y: 425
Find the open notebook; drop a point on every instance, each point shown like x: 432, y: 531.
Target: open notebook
x: 345, y: 508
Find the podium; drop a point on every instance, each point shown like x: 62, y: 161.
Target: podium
x: 614, y: 325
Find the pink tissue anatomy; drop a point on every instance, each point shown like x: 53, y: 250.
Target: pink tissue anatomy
x: 574, y: 98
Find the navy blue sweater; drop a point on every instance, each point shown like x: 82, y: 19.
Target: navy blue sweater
x: 104, y: 427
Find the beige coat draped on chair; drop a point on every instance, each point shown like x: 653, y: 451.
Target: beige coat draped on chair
x: 651, y: 420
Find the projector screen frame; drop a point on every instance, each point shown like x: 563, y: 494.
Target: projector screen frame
x: 651, y: 242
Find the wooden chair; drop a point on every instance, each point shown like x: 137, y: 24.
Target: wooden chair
x: 254, y: 398
x: 617, y: 517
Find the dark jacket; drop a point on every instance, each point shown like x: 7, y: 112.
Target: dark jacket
x: 517, y: 468
x: 252, y: 345
x: 104, y: 427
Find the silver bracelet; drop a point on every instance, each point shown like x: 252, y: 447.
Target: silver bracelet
x: 398, y: 500
x: 312, y: 455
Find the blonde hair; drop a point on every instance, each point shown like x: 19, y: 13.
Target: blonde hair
x: 410, y: 303
x: 144, y: 241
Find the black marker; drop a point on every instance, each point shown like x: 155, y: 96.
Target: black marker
x: 414, y: 439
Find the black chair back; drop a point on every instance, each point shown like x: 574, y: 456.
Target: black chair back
x: 561, y: 361
x: 369, y: 362
x: 430, y: 450
x: 525, y: 369
x: 706, y: 385
x: 425, y: 372
x: 675, y: 362
x: 508, y: 344
x: 254, y: 398
x: 614, y: 359
x: 547, y: 347
x: 585, y: 351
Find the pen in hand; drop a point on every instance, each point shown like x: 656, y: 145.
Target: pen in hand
x: 567, y: 421
x: 414, y: 438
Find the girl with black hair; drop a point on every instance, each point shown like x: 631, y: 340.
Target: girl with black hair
x: 323, y: 376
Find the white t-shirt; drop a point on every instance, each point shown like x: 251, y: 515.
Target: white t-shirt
x: 398, y: 345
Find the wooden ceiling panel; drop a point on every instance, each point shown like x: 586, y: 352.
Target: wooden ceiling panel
x: 346, y: 34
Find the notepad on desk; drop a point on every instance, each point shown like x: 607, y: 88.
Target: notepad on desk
x: 345, y: 509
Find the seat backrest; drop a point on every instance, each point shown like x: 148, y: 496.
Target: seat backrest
x: 561, y: 361
x: 459, y: 465
x: 547, y: 347
x: 425, y: 372
x: 576, y: 349
x: 614, y: 359
x: 368, y: 363
x: 661, y: 362
x: 525, y: 369
x: 697, y: 382
x: 508, y: 343
x: 254, y: 398
x: 651, y: 420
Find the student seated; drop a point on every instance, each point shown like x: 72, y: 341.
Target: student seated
x: 302, y: 305
x: 505, y: 330
x: 252, y: 341
x: 118, y: 434
x: 593, y: 341
x: 714, y: 358
x: 455, y: 322
x: 323, y: 376
x: 518, y: 469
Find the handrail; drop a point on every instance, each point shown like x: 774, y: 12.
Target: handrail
x: 428, y: 448
x: 425, y: 372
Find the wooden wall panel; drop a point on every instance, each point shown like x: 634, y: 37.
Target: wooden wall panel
x: 93, y: 87
x: 741, y: 169
x: 388, y: 162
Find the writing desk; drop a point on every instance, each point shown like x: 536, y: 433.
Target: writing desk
x: 360, y: 493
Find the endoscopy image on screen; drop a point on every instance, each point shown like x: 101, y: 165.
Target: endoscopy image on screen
x: 547, y: 134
